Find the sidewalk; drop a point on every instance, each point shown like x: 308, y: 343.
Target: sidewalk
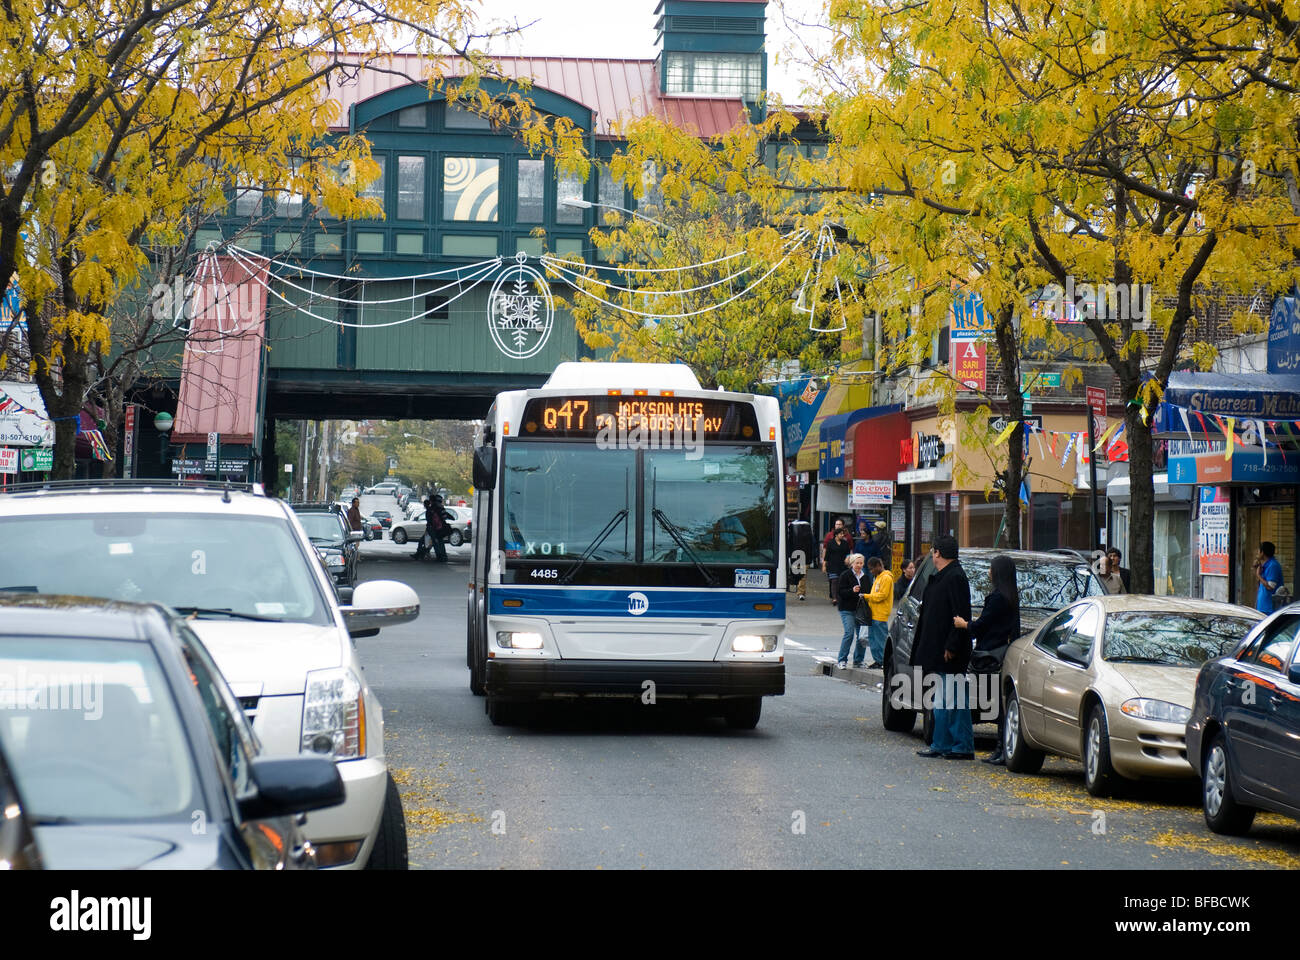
x: 815, y: 623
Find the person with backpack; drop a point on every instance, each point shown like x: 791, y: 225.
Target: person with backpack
x: 437, y: 528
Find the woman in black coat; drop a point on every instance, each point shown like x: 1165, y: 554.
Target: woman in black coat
x: 998, y: 625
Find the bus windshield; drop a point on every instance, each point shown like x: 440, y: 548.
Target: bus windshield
x: 560, y: 498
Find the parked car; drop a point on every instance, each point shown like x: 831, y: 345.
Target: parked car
x: 337, y: 544
x: 240, y: 565
x: 384, y: 517
x: 413, y: 529
x: 386, y: 488
x: 461, y: 527
x: 373, y: 529
x: 18, y: 850
x: 1243, y: 736
x: 123, y: 735
x: 1046, y: 581
x: 1110, y: 681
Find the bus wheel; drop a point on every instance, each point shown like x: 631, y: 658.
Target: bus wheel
x: 476, y: 679
x: 743, y: 713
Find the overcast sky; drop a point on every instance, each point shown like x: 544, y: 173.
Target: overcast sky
x: 626, y: 29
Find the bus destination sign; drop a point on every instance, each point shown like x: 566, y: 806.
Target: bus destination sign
x: 611, y: 417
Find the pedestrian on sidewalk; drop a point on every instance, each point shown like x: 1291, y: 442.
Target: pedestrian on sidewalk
x: 905, y: 581
x: 995, y: 630
x: 849, y: 597
x: 801, y: 554
x: 837, y: 558
x: 1269, y: 574
x: 879, y: 601
x: 942, y: 651
x: 1109, y: 575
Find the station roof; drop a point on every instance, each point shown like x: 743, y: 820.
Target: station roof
x: 615, y: 90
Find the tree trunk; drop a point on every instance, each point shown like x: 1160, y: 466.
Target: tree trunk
x: 1008, y: 352
x: 1142, y: 506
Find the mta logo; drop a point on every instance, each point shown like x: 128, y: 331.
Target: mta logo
x: 637, y: 604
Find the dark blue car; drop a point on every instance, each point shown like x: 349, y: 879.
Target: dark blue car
x: 1244, y: 733
x: 130, y: 751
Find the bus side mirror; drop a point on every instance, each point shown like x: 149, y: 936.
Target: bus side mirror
x: 485, y: 468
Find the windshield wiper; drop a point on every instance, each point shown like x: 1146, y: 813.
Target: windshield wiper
x: 1137, y: 660
x: 591, y: 550
x: 676, y: 534
x: 60, y: 821
x: 223, y: 612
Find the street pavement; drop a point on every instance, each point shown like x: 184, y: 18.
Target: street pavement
x: 818, y: 784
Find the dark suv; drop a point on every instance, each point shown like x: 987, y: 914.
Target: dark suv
x: 335, y: 543
x: 1046, y: 581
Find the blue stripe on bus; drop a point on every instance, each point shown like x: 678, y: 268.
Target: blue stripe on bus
x: 588, y: 602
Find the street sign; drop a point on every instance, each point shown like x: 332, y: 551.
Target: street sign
x: 188, y: 468
x: 128, y: 442
x: 8, y: 460
x: 36, y: 459
x: 288, y: 468
x: 214, y: 441
x: 999, y: 423
x: 1039, y: 380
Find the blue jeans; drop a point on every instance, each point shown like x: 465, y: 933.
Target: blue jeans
x: 846, y: 643
x: 879, y: 633
x: 953, y: 732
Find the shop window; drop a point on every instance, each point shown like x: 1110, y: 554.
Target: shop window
x: 531, y: 179
x: 1173, y: 560
x: 470, y: 187
x: 410, y: 188
x: 983, y: 521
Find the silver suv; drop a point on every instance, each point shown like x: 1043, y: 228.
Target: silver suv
x: 241, y: 566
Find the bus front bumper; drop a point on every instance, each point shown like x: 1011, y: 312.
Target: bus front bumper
x: 529, y: 679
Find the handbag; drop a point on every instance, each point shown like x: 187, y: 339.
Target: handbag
x: 988, y: 661
x: 863, y: 613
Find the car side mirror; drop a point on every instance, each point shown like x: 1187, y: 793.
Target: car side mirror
x: 1294, y: 673
x: 284, y: 786
x: 1073, y: 652
x: 377, y: 604
x: 356, y: 536
x: 485, y: 467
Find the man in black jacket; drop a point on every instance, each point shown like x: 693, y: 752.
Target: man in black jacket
x: 942, y: 651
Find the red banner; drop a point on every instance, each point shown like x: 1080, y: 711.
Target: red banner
x: 970, y: 365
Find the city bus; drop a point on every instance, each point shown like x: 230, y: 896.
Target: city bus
x: 628, y: 542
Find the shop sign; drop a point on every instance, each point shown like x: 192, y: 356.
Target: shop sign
x: 926, y: 475
x: 8, y: 460
x: 970, y: 366
x: 871, y: 493
x: 1246, y: 466
x: 1284, y: 336
x: 1214, y: 525
x: 969, y: 320
x: 36, y: 459
x: 921, y: 451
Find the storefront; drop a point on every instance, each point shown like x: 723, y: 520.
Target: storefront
x: 1236, y: 438
x: 1174, y: 536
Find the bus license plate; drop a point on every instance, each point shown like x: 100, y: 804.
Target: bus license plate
x: 753, y: 578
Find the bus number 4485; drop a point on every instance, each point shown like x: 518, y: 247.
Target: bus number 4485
x: 547, y: 574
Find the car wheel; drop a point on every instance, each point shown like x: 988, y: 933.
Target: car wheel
x: 894, y: 719
x: 1098, y: 775
x: 399, y: 536
x: 1021, y: 758
x: 389, y: 852
x: 455, y: 539
x: 1223, y: 814
x: 743, y: 713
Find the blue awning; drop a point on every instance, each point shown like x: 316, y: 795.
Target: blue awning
x: 834, y: 430
x: 1244, y: 396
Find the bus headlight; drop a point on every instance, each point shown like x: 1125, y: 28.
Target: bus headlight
x: 519, y: 641
x: 752, y: 643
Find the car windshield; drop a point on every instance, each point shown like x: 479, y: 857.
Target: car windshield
x: 1043, y: 585
x: 321, y: 526
x: 249, y: 567
x: 92, y: 732
x: 1174, y: 639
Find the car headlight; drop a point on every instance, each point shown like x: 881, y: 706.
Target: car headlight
x: 752, y: 643
x: 333, y: 559
x: 519, y: 640
x: 1161, y: 710
x: 334, y: 714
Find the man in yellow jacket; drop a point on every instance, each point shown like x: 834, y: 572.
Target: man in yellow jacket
x: 881, y: 601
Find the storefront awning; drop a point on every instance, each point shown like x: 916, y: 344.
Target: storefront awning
x: 1242, y: 396
x: 841, y: 396
x: 832, y: 463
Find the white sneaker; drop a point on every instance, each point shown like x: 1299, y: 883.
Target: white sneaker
x: 843, y: 665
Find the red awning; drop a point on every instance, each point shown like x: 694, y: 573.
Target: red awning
x: 875, y: 447
x: 223, y: 352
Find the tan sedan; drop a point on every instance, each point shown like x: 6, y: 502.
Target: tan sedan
x: 1110, y: 681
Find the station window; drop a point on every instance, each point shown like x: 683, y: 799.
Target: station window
x: 532, y: 191
x: 375, y: 190
x: 533, y: 246
x: 413, y: 116
x: 454, y: 245
x: 410, y: 188
x: 286, y: 242
x: 328, y: 243
x: 470, y: 189
x: 410, y: 244
x: 437, y: 309
x: 610, y: 191
x: 370, y: 243
x: 569, y: 247
x: 568, y: 185
x: 724, y: 74
x: 248, y: 201
x: 458, y: 118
